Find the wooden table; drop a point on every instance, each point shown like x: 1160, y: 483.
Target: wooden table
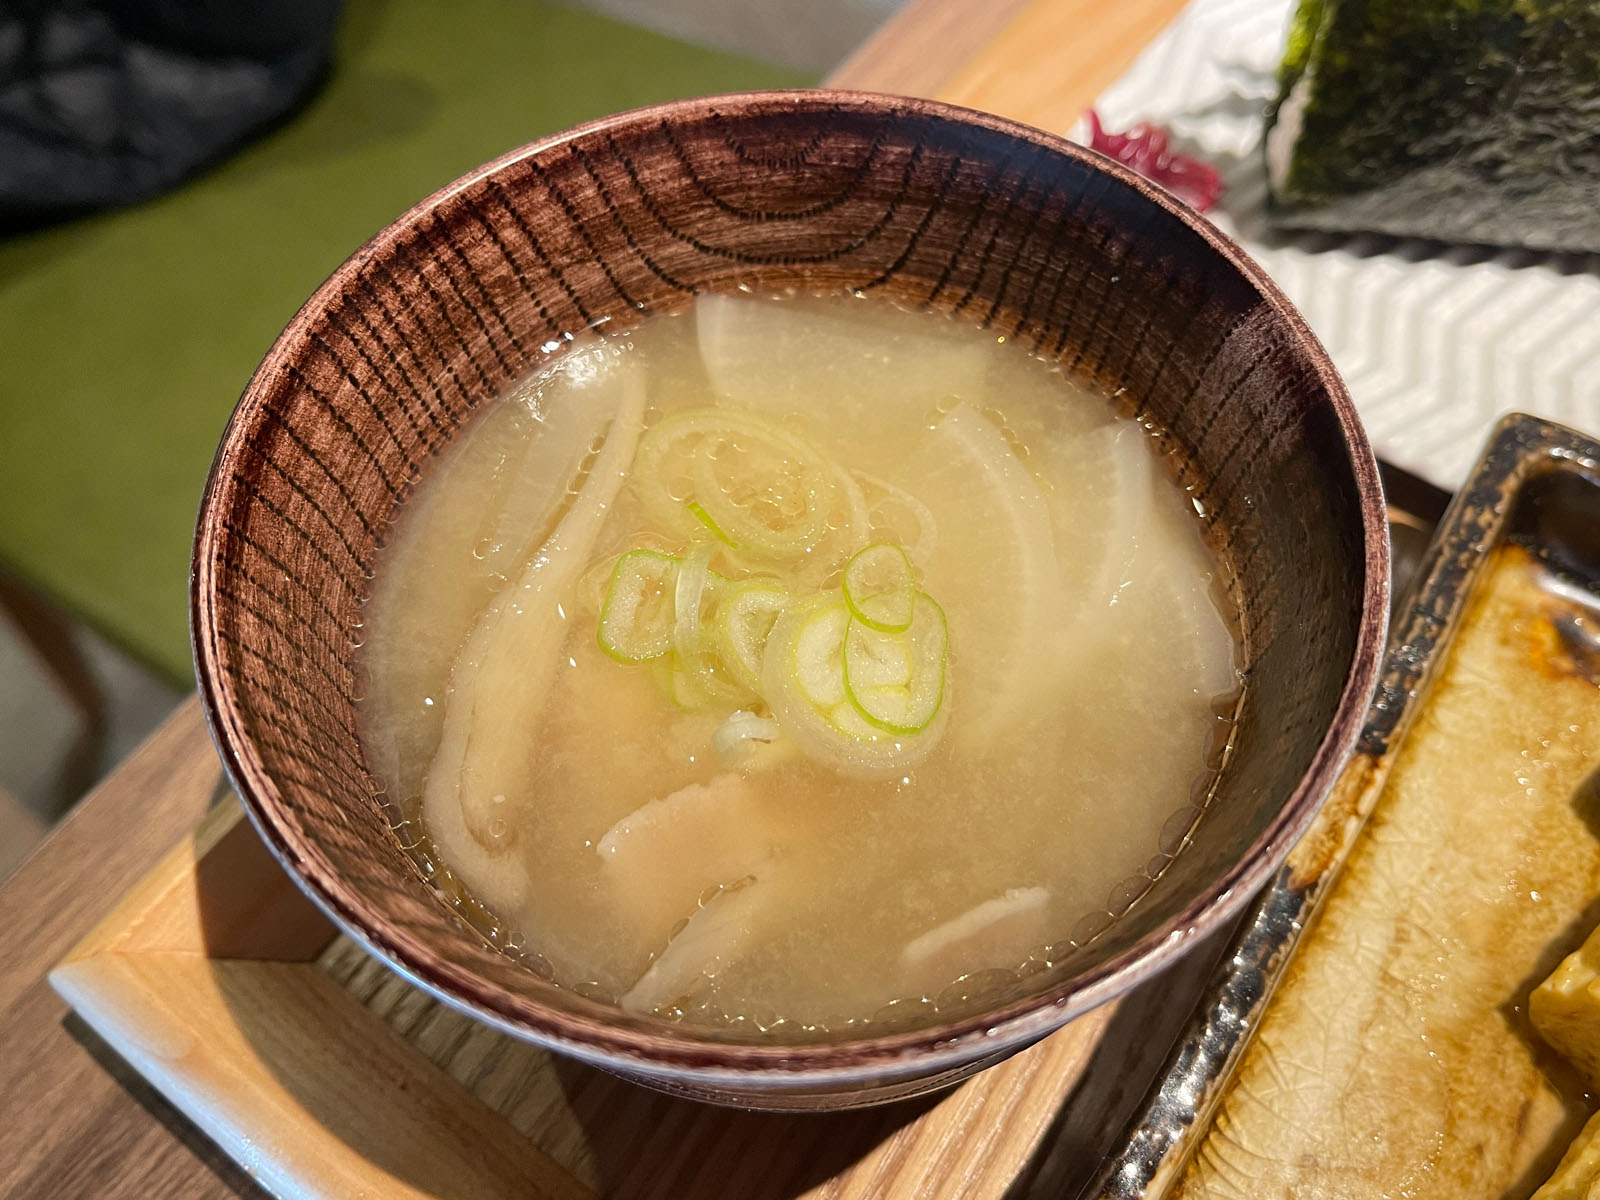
x: 74, y: 1121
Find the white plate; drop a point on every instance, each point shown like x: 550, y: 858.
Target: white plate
x: 1434, y: 342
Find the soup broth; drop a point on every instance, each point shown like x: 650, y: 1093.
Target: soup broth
x: 788, y: 663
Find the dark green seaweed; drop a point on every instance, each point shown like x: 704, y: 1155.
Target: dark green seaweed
x: 1462, y: 120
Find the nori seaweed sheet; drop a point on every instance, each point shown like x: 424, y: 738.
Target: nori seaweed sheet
x: 1462, y: 120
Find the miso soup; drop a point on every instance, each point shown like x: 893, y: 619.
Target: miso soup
x: 794, y: 664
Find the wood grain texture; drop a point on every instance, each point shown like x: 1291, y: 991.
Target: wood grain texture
x: 74, y: 1120
x: 1038, y: 61
x: 215, y: 894
x: 625, y: 1141
x: 99, y: 1121
x: 920, y: 47
x: 280, y: 1061
x: 1047, y: 63
x: 250, y: 1049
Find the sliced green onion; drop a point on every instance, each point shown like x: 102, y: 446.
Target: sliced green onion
x: 699, y: 678
x: 694, y: 577
x: 803, y: 655
x: 817, y: 661
x: 756, y: 485
x: 879, y: 589
x: 783, y: 519
x: 876, y: 659
x: 847, y: 719
x: 636, y: 616
x: 746, y: 614
x: 897, y: 515
x: 856, y: 673
x: 709, y: 685
x: 873, y: 658
x: 700, y: 514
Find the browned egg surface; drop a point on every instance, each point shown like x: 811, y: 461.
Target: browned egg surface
x: 1397, y: 1059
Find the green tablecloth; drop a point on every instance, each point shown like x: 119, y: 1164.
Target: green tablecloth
x: 125, y: 339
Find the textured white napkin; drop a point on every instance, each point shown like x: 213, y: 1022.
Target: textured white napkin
x: 1434, y: 341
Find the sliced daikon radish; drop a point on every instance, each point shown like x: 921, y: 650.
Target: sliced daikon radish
x: 569, y: 425
x: 790, y: 356
x: 1101, y: 525
x: 441, y: 553
x: 990, y: 510
x: 1171, y: 605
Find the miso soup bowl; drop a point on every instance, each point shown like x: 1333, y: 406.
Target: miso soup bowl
x: 937, y: 207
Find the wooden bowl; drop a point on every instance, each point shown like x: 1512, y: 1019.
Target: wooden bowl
x: 938, y: 207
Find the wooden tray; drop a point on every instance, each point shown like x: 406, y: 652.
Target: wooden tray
x: 323, y: 1074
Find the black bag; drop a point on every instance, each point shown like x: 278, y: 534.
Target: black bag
x: 105, y: 104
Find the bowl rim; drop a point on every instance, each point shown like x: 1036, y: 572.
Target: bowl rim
x: 679, y: 1055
